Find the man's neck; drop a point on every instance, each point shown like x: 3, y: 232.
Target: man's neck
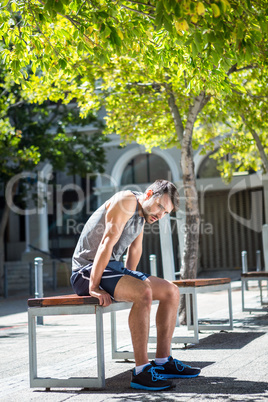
x: 140, y: 199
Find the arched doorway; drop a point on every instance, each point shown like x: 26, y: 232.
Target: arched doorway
x: 145, y: 168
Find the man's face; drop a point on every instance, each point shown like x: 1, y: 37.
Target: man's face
x: 154, y: 208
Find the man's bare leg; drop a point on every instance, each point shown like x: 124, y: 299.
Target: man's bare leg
x: 140, y: 293
x: 168, y: 295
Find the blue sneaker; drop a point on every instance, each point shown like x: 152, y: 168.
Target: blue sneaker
x: 150, y: 380
x: 173, y: 368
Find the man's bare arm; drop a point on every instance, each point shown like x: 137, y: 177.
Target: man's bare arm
x: 134, y: 253
x: 119, y: 211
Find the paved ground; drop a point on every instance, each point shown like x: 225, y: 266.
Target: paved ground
x: 234, y: 363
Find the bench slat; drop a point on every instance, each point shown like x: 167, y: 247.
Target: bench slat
x: 201, y: 282
x: 62, y: 300
x: 255, y: 274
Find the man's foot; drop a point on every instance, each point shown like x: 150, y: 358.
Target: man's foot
x: 173, y: 368
x: 150, y: 380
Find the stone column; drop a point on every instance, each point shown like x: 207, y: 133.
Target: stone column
x: 167, y: 248
x: 36, y: 216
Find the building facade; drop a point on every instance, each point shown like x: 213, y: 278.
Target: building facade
x: 232, y: 216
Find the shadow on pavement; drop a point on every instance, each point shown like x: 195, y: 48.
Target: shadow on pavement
x: 18, y: 304
x: 119, y: 388
x: 228, y: 340
x: 13, y: 306
x: 255, y: 320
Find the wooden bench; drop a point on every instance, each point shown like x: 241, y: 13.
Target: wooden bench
x: 192, y: 287
x: 72, y: 305
x: 253, y: 276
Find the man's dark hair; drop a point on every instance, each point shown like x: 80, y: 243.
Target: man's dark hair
x: 161, y: 187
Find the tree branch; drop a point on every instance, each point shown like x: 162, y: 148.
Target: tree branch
x: 1, y: 8
x: 185, y: 80
x: 19, y: 103
x: 137, y: 11
x: 258, y: 143
x: 77, y: 27
x: 199, y: 102
x: 82, y: 5
x: 73, y: 22
x: 39, y: 29
x: 175, y: 112
x: 233, y: 69
x: 143, y: 4
x: 5, y: 91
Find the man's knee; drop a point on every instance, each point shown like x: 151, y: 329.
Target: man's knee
x: 144, y: 295
x: 176, y: 292
x: 173, y: 293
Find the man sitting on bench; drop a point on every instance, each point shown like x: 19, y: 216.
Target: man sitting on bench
x: 116, y: 226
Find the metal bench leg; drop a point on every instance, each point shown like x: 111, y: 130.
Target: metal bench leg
x: 188, y: 311
x: 261, y: 296
x: 113, y: 334
x: 195, y: 316
x: 263, y: 302
x: 243, y: 295
x: 100, y: 346
x: 230, y: 306
x: 32, y: 347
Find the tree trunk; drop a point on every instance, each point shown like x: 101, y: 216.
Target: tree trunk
x: 191, y: 244
x: 191, y: 235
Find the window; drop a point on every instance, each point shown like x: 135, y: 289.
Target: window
x: 208, y: 168
x: 145, y: 168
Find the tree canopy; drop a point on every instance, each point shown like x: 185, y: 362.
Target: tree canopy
x: 63, y: 39
x: 193, y: 45
x: 32, y: 133
x: 236, y: 125
x: 160, y: 67
x: 66, y: 50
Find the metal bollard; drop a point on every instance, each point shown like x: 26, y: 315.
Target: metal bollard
x: 153, y: 266
x: 245, y: 264
x: 38, y: 267
x: 258, y: 264
x: 258, y: 260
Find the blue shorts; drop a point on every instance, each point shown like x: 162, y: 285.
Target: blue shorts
x: 111, y: 275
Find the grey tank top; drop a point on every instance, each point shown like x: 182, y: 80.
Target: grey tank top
x: 92, y: 233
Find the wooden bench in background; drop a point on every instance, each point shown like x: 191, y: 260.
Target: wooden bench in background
x: 254, y: 276
x: 192, y: 287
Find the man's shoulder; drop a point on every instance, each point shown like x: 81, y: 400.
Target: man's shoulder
x: 125, y: 195
x: 125, y: 201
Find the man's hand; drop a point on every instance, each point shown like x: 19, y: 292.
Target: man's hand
x: 104, y: 297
